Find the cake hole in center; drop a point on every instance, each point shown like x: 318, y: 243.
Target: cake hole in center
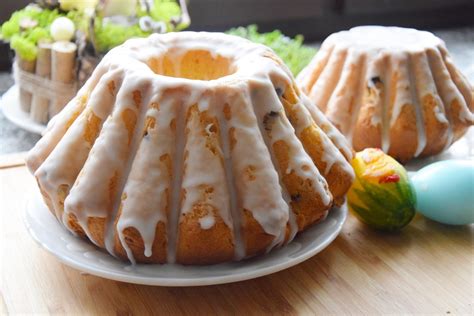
x: 194, y: 64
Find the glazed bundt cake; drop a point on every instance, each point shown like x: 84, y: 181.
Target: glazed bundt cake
x: 391, y: 88
x: 194, y: 148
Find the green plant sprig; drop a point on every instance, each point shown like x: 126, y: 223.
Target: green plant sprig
x: 107, y: 35
x: 24, y: 41
x: 292, y: 51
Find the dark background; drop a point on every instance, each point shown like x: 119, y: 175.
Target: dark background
x: 315, y: 19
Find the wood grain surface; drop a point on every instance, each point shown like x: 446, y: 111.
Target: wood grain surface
x: 427, y: 268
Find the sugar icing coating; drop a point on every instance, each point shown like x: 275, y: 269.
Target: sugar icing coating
x: 391, y: 88
x: 191, y: 148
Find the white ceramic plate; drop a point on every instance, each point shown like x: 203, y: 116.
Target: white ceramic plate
x: 83, y: 256
x: 10, y: 105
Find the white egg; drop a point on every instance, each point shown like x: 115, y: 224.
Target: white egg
x: 62, y: 29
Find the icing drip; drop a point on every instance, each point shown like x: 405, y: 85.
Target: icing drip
x: 275, y: 127
x: 336, y: 147
x: 145, y: 193
x: 262, y: 177
x: 328, y: 79
x: 204, y: 168
x: 310, y: 74
x: 418, y: 111
x: 356, y: 103
x: 291, y: 221
x: 385, y: 141
x: 377, y: 85
x: 176, y: 192
x: 142, y: 88
x: 239, y: 247
x: 72, y: 151
x: 56, y: 131
x: 332, y: 132
x: 261, y: 107
x: 440, y: 115
x: 97, y: 197
x: 207, y: 222
x: 347, y: 94
x: 461, y: 83
x: 445, y: 87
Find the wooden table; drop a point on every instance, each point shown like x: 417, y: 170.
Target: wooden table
x: 426, y: 268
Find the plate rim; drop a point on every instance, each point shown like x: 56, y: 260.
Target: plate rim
x: 10, y: 106
x: 176, y: 282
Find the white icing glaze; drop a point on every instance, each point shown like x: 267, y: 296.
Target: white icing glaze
x: 462, y: 84
x: 415, y: 96
x: 336, y: 147
x: 446, y: 88
x: 265, y: 177
x: 346, y: 94
x: 72, y: 152
x: 60, y: 123
x: 235, y: 206
x: 367, y: 38
x: 131, y: 176
x: 207, y: 222
x: 177, y: 175
x: 146, y: 201
x: 410, y: 65
x: 386, y: 124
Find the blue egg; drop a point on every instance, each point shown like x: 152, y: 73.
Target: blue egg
x: 445, y: 191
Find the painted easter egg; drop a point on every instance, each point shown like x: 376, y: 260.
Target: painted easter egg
x: 381, y: 195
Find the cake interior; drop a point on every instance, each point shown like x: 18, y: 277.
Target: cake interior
x: 198, y: 64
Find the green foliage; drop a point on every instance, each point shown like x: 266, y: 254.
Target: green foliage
x: 291, y: 51
x: 38, y: 33
x: 43, y: 19
x: 81, y: 22
x: 164, y: 10
x: 24, y: 41
x: 25, y: 48
x: 109, y: 35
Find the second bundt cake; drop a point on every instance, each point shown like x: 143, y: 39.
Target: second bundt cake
x: 391, y: 88
x: 194, y: 148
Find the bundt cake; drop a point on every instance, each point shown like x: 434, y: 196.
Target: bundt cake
x: 391, y: 88
x: 194, y: 148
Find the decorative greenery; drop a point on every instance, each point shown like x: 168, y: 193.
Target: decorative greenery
x: 109, y: 35
x: 25, y: 48
x: 80, y: 19
x: 162, y: 10
x: 24, y: 39
x: 106, y: 34
x: 291, y: 51
x: 43, y: 18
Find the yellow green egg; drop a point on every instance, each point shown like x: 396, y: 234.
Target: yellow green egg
x: 382, y: 195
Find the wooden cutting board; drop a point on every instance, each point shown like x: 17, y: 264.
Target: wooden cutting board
x: 426, y: 268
